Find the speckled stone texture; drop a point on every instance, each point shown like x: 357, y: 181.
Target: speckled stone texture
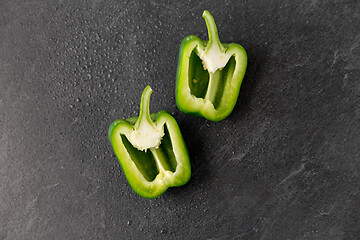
x: 284, y: 165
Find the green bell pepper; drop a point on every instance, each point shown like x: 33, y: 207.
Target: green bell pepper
x: 209, y: 74
x: 166, y: 164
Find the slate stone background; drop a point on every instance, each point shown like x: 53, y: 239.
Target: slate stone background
x: 284, y: 165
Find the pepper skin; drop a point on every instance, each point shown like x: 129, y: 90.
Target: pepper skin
x: 209, y: 74
x: 151, y: 150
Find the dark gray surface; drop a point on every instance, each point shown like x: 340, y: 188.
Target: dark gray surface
x: 284, y: 165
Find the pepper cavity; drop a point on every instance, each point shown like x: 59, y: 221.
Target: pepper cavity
x: 158, y: 160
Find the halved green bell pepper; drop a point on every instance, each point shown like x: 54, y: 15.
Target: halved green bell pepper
x: 151, y: 150
x: 209, y: 74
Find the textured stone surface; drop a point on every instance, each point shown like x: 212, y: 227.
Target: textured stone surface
x: 284, y: 165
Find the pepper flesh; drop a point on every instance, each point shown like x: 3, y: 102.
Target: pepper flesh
x: 166, y: 164
x: 209, y: 74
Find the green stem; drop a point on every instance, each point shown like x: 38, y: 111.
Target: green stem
x: 144, y: 114
x: 212, y: 31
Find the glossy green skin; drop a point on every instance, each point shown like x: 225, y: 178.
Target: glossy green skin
x: 226, y: 101
x: 143, y: 187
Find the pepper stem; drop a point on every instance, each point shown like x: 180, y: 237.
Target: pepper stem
x: 212, y: 31
x: 144, y: 114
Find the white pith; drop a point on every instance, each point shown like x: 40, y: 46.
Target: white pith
x: 213, y: 58
x: 146, y: 136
